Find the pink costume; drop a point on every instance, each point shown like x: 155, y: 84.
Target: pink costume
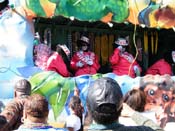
x: 121, y: 63
x: 85, y: 57
x: 42, y: 54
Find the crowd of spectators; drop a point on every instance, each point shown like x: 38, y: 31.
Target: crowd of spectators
x: 107, y: 109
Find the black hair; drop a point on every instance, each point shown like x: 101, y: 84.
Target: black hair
x: 80, y: 43
x: 4, y: 4
x: 106, y: 114
x: 116, y: 46
x: 3, y: 121
x: 75, y: 105
x: 64, y: 56
x: 168, y: 57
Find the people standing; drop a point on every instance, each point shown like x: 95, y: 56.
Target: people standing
x: 136, y: 100
x: 74, y: 121
x: 13, y: 110
x: 84, y: 61
x: 35, y: 114
x: 123, y: 62
x: 105, y: 103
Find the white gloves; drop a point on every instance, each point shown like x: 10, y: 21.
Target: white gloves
x: 136, y: 70
x: 90, y: 62
x: 120, y: 47
x: 79, y: 64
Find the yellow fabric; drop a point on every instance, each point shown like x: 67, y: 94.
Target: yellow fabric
x: 97, y: 46
x: 104, y: 49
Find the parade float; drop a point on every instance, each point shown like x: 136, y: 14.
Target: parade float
x: 17, y: 36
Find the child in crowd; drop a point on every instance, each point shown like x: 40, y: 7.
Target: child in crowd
x: 74, y: 121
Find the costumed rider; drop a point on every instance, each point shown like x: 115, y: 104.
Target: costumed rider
x: 164, y: 65
x: 59, y: 61
x: 123, y: 62
x: 84, y: 61
x: 42, y: 52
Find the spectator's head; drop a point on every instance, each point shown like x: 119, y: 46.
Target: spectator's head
x: 83, y: 43
x: 75, y: 105
x: 22, y: 88
x: 36, y: 109
x: 136, y: 99
x: 3, y: 121
x: 104, y: 100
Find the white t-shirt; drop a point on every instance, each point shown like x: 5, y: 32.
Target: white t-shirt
x: 169, y: 126
x: 150, y: 114
x: 73, y: 121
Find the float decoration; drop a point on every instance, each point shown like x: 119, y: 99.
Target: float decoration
x: 17, y: 37
x: 58, y: 90
x: 151, y: 13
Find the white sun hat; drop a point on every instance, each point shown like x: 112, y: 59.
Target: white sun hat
x: 121, y: 41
